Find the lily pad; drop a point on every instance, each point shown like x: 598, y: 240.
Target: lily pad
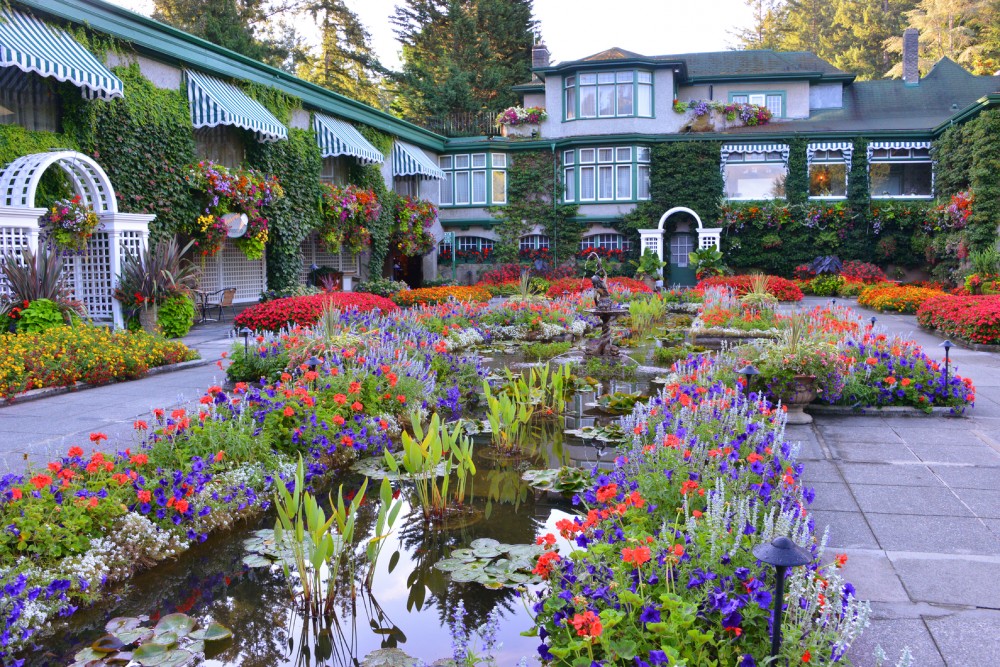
x: 213, y: 632
x: 561, y: 480
x: 166, y: 638
x: 107, y: 644
x: 499, y: 565
x: 88, y: 654
x: 151, y: 654
x: 256, y: 560
x: 120, y: 658
x: 121, y: 623
x: 179, y: 624
x: 178, y: 658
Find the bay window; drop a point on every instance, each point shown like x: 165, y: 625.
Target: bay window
x: 900, y: 169
x: 615, y: 94
x: 473, y: 179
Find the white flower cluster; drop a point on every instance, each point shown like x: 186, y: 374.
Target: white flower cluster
x: 578, y: 327
x: 459, y: 339
x: 550, y: 331
x: 509, y: 332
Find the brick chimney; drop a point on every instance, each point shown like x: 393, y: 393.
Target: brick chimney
x: 539, y: 55
x: 911, y: 57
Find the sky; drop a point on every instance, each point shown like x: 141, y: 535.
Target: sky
x: 574, y: 29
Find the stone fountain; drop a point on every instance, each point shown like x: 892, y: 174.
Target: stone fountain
x: 606, y: 310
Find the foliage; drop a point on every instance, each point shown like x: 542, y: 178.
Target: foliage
x: 63, y: 356
x: 296, y: 164
x: 784, y: 290
x: 175, y: 315
x: 749, y: 114
x: 40, y: 315
x: 143, y: 141
x: 432, y: 295
x: 707, y: 263
x: 305, y: 311
x: 173, y: 640
x: 492, y: 564
x: 254, y: 362
x: 896, y: 298
x: 985, y: 180
x: 972, y: 318
x: 370, y: 177
x: 154, y: 275
x: 543, y: 351
x: 566, y: 480
x: 230, y: 24
x: 644, y: 315
x: 826, y: 284
x: 508, y: 415
x: 347, y: 214
x: 411, y: 234
x: 858, y: 187
x: 31, y: 277
x: 797, y: 180
x: 16, y: 141
x: 953, y: 154
x: 534, y: 199
x: 381, y: 286
x: 648, y: 265
x: 69, y: 224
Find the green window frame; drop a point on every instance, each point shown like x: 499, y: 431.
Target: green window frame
x: 601, y: 174
x: 619, y: 93
x: 473, y: 180
x: 764, y: 98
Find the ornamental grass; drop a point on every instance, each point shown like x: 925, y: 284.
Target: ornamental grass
x: 62, y: 356
x: 432, y: 295
x: 971, y: 318
x: 896, y: 298
x: 305, y: 311
x: 782, y: 288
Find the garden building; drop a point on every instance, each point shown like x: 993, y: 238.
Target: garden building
x: 775, y: 156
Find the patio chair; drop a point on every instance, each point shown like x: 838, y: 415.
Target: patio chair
x: 219, y: 300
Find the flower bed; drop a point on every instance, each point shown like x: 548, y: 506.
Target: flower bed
x: 975, y: 319
x: 306, y: 310
x: 64, y: 355
x: 782, y: 288
x: 616, y: 285
x: 896, y: 298
x: 432, y: 295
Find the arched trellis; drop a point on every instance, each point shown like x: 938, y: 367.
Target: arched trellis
x: 92, y: 277
x: 19, y: 180
x: 708, y: 237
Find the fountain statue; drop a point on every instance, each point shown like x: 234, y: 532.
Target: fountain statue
x: 605, y: 309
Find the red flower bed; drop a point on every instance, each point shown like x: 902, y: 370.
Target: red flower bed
x: 972, y: 318
x: 576, y: 285
x: 782, y: 288
x: 305, y: 310
x: 864, y: 272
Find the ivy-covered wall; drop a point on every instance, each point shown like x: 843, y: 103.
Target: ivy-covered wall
x: 984, y: 179
x: 797, y: 182
x: 145, y: 142
x: 15, y: 141
x: 370, y: 177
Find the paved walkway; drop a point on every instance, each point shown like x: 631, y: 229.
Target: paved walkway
x: 912, y: 500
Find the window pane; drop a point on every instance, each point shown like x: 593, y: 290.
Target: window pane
x: 828, y: 180
x: 445, y: 161
x: 587, y: 155
x: 644, y: 105
x: 755, y: 181
x: 479, y: 160
x: 623, y: 154
x: 588, y: 78
x: 758, y: 98
x: 605, y: 154
x: 607, y: 100
x: 912, y: 179
x: 586, y: 183
x: 643, y: 182
x: 774, y: 105
x: 446, y: 188
x: 623, y: 77
x: 570, y: 81
x: 625, y: 107
x: 462, y: 188
x: 499, y: 187
x: 499, y: 160
x: 642, y: 153
x: 645, y: 77
x: 479, y: 187
x: 680, y: 247
x: 740, y: 99
x: 569, y: 157
x: 606, y: 185
x: 570, y: 103
x: 588, y: 101
x: 461, y: 162
x: 623, y: 182
x: 606, y: 77
x: 570, y: 185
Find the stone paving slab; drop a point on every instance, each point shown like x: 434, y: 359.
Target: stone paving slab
x: 871, y: 571
x: 869, y: 452
x: 848, y: 530
x: 834, y: 496
x: 931, y: 453
x: 883, y: 473
x: 919, y: 500
x: 953, y: 580
x: 938, y: 534
x: 893, y: 635
x: 961, y: 636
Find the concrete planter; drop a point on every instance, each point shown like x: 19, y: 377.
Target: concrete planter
x: 526, y: 131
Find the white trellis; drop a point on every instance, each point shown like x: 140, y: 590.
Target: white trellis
x: 708, y: 237
x: 91, y: 276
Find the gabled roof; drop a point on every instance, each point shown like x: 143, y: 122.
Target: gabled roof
x: 891, y: 104
x: 614, y: 53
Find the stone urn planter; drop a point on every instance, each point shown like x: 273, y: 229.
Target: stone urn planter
x: 801, y: 393
x: 525, y: 131
x: 147, y: 319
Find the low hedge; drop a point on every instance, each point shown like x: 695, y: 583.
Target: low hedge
x: 972, y: 318
x: 306, y: 310
x: 896, y: 298
x: 782, y: 288
x: 432, y: 295
x: 575, y: 285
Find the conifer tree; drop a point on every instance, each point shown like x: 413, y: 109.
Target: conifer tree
x: 238, y: 25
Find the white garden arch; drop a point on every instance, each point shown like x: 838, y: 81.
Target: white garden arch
x: 652, y: 239
x: 92, y: 276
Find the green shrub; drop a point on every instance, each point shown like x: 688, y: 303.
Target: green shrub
x: 381, y: 286
x: 540, y: 351
x: 255, y: 363
x: 850, y: 289
x: 609, y: 370
x: 176, y: 315
x: 39, y: 316
x: 826, y: 284
x: 668, y: 355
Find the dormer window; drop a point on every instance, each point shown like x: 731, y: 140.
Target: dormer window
x: 617, y: 94
x: 774, y: 101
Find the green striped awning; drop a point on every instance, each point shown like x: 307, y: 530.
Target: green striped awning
x: 408, y: 160
x: 336, y: 137
x: 32, y: 46
x: 214, y: 102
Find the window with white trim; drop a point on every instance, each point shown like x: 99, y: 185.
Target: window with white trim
x: 473, y: 179
x: 611, y: 173
x: 533, y: 242
x: 605, y: 242
x: 681, y: 247
x: 773, y: 101
x: 755, y: 173
x: 828, y: 169
x: 900, y: 170
x: 617, y: 94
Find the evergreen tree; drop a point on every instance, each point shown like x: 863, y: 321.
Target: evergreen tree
x: 947, y: 30
x: 237, y: 25
x: 765, y: 31
x: 461, y: 55
x: 862, y: 30
x: 809, y: 26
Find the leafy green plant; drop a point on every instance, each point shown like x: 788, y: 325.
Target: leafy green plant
x: 388, y: 512
x: 985, y: 262
x: 707, y: 262
x: 507, y: 414
x: 668, y: 355
x: 619, y: 403
x: 540, y: 351
x: 251, y: 363
x: 153, y: 275
x: 566, y: 480
x: 758, y: 295
x: 176, y: 315
x: 542, y: 387
x: 648, y: 265
x: 31, y: 277
x: 40, y: 315
x: 645, y: 314
x: 606, y: 370
x: 173, y: 641
x: 826, y: 284
x: 381, y: 286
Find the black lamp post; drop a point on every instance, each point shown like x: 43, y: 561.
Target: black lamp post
x: 873, y: 321
x: 782, y: 553
x: 313, y: 363
x: 245, y: 332
x: 947, y: 345
x: 748, y: 372
x: 833, y: 302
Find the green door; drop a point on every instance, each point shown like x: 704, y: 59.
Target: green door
x: 681, y: 271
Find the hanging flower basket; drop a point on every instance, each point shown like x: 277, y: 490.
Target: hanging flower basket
x: 412, y: 231
x: 246, y: 191
x: 69, y: 224
x: 347, y: 216
x: 521, y: 121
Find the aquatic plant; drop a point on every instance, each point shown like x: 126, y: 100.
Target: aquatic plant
x: 507, y: 414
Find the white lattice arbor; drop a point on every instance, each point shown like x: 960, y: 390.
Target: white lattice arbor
x: 91, y: 276
x: 708, y: 237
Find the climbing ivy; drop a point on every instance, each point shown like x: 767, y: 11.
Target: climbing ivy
x: 144, y: 141
x: 533, y: 195
x: 858, y: 192
x: 797, y: 181
x: 953, y: 156
x: 297, y: 165
x: 15, y: 142
x: 278, y: 103
x: 370, y: 177
x: 984, y: 178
